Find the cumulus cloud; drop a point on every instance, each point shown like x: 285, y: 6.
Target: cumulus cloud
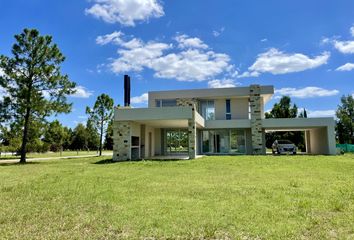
x: 223, y: 83
x: 277, y: 62
x: 81, y: 92
x: 191, y: 60
x: 140, y: 99
x: 346, y: 47
x: 125, y: 12
x: 307, y: 92
x: 319, y: 113
x: 346, y: 67
x: 184, y: 41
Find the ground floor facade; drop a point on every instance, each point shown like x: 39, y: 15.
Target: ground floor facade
x: 149, y: 133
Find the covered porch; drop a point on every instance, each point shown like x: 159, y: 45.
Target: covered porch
x: 142, y: 133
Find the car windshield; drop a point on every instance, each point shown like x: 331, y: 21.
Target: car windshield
x: 284, y: 142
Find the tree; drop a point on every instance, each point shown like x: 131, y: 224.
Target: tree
x: 283, y: 109
x: 345, y: 122
x: 100, y: 115
x: 79, y: 139
x: 33, y: 81
x: 108, y: 141
x: 55, y: 135
x: 303, y: 114
x: 92, y: 136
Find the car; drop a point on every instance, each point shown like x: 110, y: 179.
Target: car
x: 283, y: 146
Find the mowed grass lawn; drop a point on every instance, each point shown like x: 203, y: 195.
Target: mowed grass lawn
x: 224, y: 197
x: 9, y: 156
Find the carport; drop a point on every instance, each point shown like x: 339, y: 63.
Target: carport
x: 319, y: 132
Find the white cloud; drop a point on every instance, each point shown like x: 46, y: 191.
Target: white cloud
x: 224, y: 83
x: 217, y: 33
x: 126, y: 12
x: 277, y: 62
x: 184, y: 41
x: 140, y: 99
x: 307, y: 92
x: 81, y: 92
x: 318, y: 113
x: 264, y: 40
x: 352, y: 31
x: 346, y: 47
x: 192, y: 60
x: 346, y: 67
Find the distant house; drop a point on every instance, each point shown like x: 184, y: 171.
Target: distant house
x: 208, y: 121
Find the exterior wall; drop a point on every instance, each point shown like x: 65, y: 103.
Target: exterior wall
x: 256, y: 120
x: 192, y: 135
x: 158, y: 141
x: 318, y: 141
x: 249, y: 149
x: 149, y: 145
x: 122, y: 141
x: 220, y: 109
x: 239, y: 108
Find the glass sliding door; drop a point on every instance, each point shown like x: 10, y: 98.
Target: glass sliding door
x: 176, y: 141
x: 224, y: 141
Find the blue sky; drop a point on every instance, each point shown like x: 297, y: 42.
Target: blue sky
x: 304, y: 48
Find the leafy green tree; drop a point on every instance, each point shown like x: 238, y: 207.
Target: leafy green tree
x: 55, y: 135
x: 108, y: 141
x: 283, y: 109
x: 100, y: 115
x: 345, y: 122
x: 92, y: 136
x: 79, y: 138
x: 33, y: 81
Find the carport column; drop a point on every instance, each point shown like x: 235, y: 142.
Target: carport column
x: 121, y: 140
x: 331, y: 139
x: 192, y: 135
x: 256, y: 119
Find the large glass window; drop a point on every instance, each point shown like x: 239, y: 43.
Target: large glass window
x: 166, y: 103
x: 228, y: 109
x: 176, y: 141
x: 224, y: 141
x: 207, y: 109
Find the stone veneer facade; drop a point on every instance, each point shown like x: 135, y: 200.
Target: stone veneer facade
x: 256, y: 119
x: 121, y: 140
x: 192, y: 127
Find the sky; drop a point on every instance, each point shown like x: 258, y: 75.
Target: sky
x: 305, y: 49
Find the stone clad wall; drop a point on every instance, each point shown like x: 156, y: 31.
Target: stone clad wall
x: 121, y: 140
x: 256, y: 119
x: 192, y: 127
x: 187, y: 102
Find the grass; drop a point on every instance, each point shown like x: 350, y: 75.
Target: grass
x: 53, y: 154
x: 229, y: 197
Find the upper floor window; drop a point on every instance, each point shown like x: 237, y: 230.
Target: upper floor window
x: 228, y: 109
x: 166, y: 103
x: 207, y: 109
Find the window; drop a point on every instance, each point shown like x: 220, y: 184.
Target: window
x: 223, y: 141
x: 228, y: 109
x: 207, y: 109
x: 166, y: 103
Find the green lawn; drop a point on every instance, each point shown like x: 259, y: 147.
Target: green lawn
x: 233, y: 197
x: 53, y: 154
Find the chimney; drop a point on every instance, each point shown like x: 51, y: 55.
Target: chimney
x: 126, y: 91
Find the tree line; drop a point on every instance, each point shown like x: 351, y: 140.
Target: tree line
x: 34, y: 88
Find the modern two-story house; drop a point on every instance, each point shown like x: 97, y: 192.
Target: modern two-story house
x: 208, y: 121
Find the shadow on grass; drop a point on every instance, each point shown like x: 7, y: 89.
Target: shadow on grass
x: 5, y: 164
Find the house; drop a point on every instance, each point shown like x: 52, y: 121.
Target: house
x: 208, y: 121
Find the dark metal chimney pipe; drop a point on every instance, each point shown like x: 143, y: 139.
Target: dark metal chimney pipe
x: 126, y: 91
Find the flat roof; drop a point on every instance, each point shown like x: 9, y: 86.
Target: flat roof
x: 266, y: 91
